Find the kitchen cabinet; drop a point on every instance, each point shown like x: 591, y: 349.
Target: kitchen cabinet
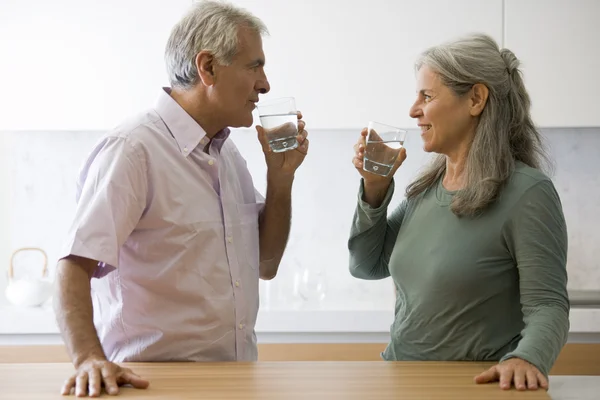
x: 558, y: 44
x: 87, y: 64
x: 348, y: 62
x: 81, y: 64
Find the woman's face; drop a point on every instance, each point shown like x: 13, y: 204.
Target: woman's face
x: 446, y: 120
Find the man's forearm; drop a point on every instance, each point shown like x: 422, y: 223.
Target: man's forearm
x: 74, y: 312
x: 275, y: 223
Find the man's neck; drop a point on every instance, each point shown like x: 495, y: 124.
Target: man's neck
x: 190, y: 101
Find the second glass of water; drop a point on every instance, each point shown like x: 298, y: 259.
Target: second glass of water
x: 383, y: 146
x: 280, y: 121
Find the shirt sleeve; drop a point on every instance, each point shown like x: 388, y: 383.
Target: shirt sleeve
x: 260, y: 200
x: 373, y: 236
x: 536, y: 235
x: 111, y: 197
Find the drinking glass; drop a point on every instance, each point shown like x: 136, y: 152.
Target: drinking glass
x: 383, y: 146
x: 279, y: 119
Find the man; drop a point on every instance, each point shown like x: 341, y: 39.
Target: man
x: 169, y: 221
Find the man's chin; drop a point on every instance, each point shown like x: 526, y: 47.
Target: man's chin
x: 243, y: 122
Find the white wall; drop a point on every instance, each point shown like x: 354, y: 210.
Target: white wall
x: 5, y: 207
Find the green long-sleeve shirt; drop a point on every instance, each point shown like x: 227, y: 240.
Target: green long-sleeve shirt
x: 486, y: 288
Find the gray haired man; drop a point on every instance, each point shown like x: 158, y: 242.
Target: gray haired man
x: 168, y: 220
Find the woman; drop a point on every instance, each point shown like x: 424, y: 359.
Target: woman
x: 478, y: 249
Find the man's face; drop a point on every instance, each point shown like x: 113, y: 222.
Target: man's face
x: 238, y: 84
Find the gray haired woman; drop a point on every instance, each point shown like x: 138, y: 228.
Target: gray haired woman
x: 478, y: 248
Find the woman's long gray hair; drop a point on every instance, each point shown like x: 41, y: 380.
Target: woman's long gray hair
x: 505, y: 133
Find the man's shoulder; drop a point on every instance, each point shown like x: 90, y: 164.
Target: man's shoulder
x: 136, y: 128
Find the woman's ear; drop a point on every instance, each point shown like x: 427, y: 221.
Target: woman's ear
x: 205, y: 65
x: 478, y: 96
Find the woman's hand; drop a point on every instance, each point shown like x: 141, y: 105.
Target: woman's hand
x: 359, y: 159
x: 515, y: 371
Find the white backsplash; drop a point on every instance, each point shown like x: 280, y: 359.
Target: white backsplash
x: 314, y: 273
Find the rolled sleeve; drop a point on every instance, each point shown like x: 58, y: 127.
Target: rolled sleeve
x: 111, y: 198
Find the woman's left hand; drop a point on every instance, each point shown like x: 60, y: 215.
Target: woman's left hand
x: 524, y: 375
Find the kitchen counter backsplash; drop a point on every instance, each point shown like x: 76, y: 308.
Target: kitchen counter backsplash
x: 314, y: 273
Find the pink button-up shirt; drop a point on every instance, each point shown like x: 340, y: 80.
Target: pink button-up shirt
x: 175, y: 231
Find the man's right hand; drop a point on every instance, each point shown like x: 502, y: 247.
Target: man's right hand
x: 91, y: 375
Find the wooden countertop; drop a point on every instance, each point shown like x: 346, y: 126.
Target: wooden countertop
x: 370, y: 380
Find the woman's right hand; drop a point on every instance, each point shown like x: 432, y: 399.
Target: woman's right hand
x: 375, y: 186
x: 370, y: 178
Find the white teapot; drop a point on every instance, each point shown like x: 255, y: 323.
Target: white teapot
x: 28, y: 292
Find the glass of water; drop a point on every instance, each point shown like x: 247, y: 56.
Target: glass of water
x: 279, y: 119
x: 383, y: 146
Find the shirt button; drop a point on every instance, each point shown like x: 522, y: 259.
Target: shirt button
x: 211, y: 162
x: 229, y: 239
x: 241, y: 326
x: 237, y: 283
x: 185, y: 150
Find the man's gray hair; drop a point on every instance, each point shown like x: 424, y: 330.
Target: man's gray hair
x: 207, y: 26
x: 505, y: 133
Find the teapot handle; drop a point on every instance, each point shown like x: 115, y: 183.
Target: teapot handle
x: 11, y: 271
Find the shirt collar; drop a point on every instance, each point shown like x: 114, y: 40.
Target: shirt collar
x: 187, y: 132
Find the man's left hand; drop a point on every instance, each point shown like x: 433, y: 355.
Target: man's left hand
x: 283, y: 165
x: 514, y: 371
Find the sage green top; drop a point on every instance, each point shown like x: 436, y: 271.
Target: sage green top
x: 483, y: 289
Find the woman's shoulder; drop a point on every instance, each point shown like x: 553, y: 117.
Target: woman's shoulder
x: 524, y: 177
x: 530, y: 182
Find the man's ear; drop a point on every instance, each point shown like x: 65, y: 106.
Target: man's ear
x: 478, y: 96
x: 205, y: 65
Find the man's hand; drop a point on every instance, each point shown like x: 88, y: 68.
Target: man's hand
x: 91, y: 375
x: 283, y: 165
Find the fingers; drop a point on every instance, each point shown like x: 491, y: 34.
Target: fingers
x: 400, y: 158
x: 95, y: 382
x: 490, y: 375
x: 262, y: 138
x: 532, y: 380
x: 522, y: 374
x: 299, y: 114
x: 109, y: 376
x: 519, y: 378
x: 543, y: 381
x: 359, y: 150
x: 128, y: 377
x: 303, y: 148
x: 358, y: 163
x: 81, y: 384
x: 301, y: 125
x: 506, y: 377
x: 68, y: 386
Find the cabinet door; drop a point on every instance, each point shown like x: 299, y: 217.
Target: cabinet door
x: 81, y: 64
x: 558, y: 42
x: 348, y: 62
